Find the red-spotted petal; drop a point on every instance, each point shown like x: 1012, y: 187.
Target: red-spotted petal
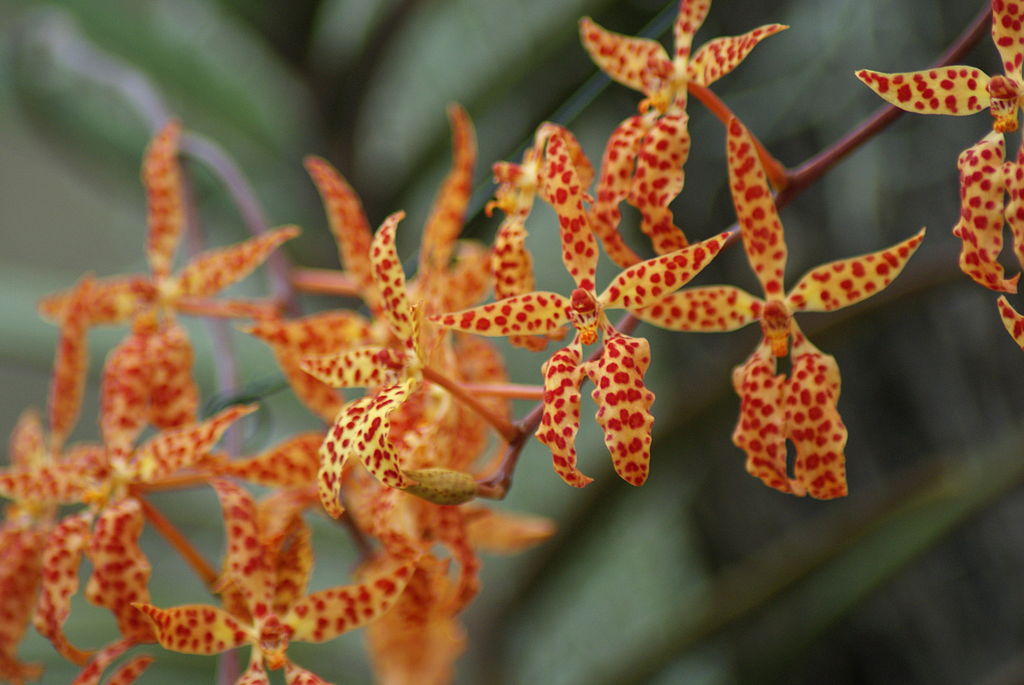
x: 760, y: 431
x: 658, y: 179
x: 638, y: 63
x: 91, y: 674
x: 623, y: 404
x: 511, y: 262
x: 561, y: 187
x: 112, y: 300
x: 535, y: 313
x: 121, y: 571
x: 983, y: 180
x: 719, y: 56
x: 347, y: 221
x: 316, y: 334
x: 130, y: 671
x: 503, y: 532
x: 69, y: 365
x: 691, y: 15
x: 363, y: 367
x: 214, y: 270
x: 328, y: 613
x: 61, y: 555
x: 449, y: 209
x: 390, y: 279
x: 63, y: 482
x: 172, y: 450
x: 174, y: 397
x: 848, y: 281
x: 614, y: 183
x: 161, y: 176
x: 466, y: 282
x: 813, y: 422
x: 762, y: 231
x: 21, y: 569
x: 1008, y: 35
x: 196, y: 628
x: 956, y: 90
x: 1014, y: 179
x: 125, y: 391
x: 293, y: 564
x: 450, y: 529
x: 561, y: 418
x: 1013, y: 321
x: 296, y: 675
x: 26, y: 447
x: 713, y: 308
x: 644, y: 284
x: 292, y: 463
x: 246, y: 560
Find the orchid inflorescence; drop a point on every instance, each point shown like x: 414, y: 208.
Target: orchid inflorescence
x: 403, y: 463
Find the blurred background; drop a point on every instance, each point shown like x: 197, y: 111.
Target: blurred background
x: 703, y: 575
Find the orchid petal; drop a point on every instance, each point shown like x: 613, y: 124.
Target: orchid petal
x: 692, y: 14
x: 449, y: 209
x: 502, y: 532
x: 638, y: 63
x: 716, y: 308
x: 561, y: 188
x: 245, y: 561
x: 1013, y: 321
x: 129, y: 672
x: 196, y: 628
x: 390, y: 279
x: 363, y: 367
x: 125, y: 391
x: 292, y: 463
x: 174, y: 396
x: 561, y: 418
x: 328, y: 613
x: 537, y: 313
x: 91, y: 674
x: 1007, y: 34
x: 644, y: 284
x: 1014, y: 180
x: 296, y: 675
x: 658, y: 179
x: 848, y: 281
x: 161, y: 176
x: 719, y: 56
x: 112, y: 300
x: 293, y: 565
x: 21, y: 570
x: 121, y: 571
x: 760, y: 431
x: 61, y: 555
x: 63, y: 482
x: 511, y: 262
x: 759, y: 221
x: 623, y: 404
x: 214, y: 270
x: 450, y: 529
x: 169, y: 451
x: 956, y: 90
x: 69, y: 365
x: 26, y: 447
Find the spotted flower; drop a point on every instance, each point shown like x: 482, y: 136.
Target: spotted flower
x: 622, y: 398
x: 773, y: 408
x: 962, y: 90
x: 643, y: 160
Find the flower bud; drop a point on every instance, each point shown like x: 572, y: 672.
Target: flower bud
x: 441, y: 486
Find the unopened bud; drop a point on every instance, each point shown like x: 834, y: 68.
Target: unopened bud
x: 441, y: 486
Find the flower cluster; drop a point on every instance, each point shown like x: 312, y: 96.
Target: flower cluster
x: 402, y: 462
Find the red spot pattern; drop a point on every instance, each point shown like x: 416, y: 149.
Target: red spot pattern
x: 1007, y: 34
x: 70, y: 364
x: 172, y: 450
x: 245, y: 560
x: 623, y: 403
x: 658, y: 179
x: 362, y: 367
x: 196, y: 628
x: 983, y: 181
x: 214, y: 270
x: 536, y: 313
x: 638, y: 63
x: 293, y: 463
x: 161, y: 176
x: 61, y: 555
x: 690, y: 18
x: 714, y: 308
x: 390, y: 280
x: 20, y: 576
x: 614, y: 183
x: 955, y: 90
x: 561, y: 418
x: 1013, y: 321
x: 719, y: 56
x: 561, y: 187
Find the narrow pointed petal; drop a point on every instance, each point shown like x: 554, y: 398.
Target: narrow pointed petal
x: 503, y: 532
x: 760, y: 431
x: 70, y: 365
x: 21, y: 569
x: 321, y: 333
x: 584, y: 169
x: 129, y: 672
x: 638, y: 63
x: 535, y: 313
x: 125, y: 391
x: 279, y: 514
x: 467, y: 280
x: 561, y: 187
x: 174, y: 396
x: 561, y: 418
x: 121, y: 571
x: 293, y: 565
x: 648, y: 282
x: 1013, y: 175
x: 296, y: 675
x: 112, y: 300
x: 983, y: 180
x: 613, y: 186
x: 1013, y: 321
x: 26, y: 447
x: 63, y: 482
x: 161, y: 176
x: 363, y: 367
x: 254, y: 673
x: 956, y: 90
x: 449, y: 209
x: 763, y: 240
x: 196, y: 628
x: 335, y: 451
x: 292, y: 463
x: 169, y: 451
x: 347, y: 221
x: 390, y: 279
x: 326, y: 614
x: 623, y: 404
x: 214, y: 270
x: 511, y: 262
x: 813, y: 422
x: 450, y: 529
x: 373, y: 443
x: 716, y: 308
x: 658, y: 179
x: 848, y: 281
x: 245, y: 560
x: 690, y: 18
x: 91, y: 674
x: 719, y: 56
x: 61, y: 555
x: 1008, y: 35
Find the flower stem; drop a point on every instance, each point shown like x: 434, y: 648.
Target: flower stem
x: 325, y: 282
x: 511, y: 391
x: 180, y: 543
x: 509, y: 431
